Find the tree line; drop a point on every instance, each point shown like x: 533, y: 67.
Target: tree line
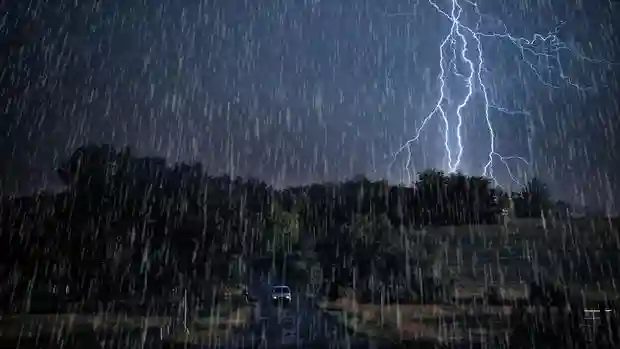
x: 120, y: 210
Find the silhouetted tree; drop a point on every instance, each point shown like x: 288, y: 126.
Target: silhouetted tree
x: 534, y: 200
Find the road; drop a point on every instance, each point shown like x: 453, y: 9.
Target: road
x: 298, y: 325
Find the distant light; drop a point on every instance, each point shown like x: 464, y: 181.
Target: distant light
x: 596, y: 311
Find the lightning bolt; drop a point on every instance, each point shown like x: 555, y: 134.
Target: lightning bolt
x: 542, y: 47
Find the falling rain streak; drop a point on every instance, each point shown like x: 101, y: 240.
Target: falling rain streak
x: 213, y: 174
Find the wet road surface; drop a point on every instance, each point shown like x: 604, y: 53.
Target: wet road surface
x: 299, y: 324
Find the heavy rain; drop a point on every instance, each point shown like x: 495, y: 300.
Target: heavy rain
x: 309, y: 174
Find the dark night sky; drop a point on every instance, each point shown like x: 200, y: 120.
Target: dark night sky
x: 298, y: 91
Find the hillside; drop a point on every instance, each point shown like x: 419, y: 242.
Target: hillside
x: 577, y: 253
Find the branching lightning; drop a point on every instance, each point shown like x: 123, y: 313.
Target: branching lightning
x: 461, y: 43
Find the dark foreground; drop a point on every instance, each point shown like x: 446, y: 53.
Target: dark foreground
x: 299, y: 324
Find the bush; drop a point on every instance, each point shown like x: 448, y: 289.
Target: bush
x: 433, y: 290
x: 333, y: 291
x: 547, y: 294
x: 493, y: 296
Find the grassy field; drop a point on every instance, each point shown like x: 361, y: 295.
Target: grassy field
x: 578, y: 254
x: 204, y: 331
x: 216, y: 331
x: 429, y: 323
x: 206, y: 323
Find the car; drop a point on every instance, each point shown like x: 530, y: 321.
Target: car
x: 281, y: 294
